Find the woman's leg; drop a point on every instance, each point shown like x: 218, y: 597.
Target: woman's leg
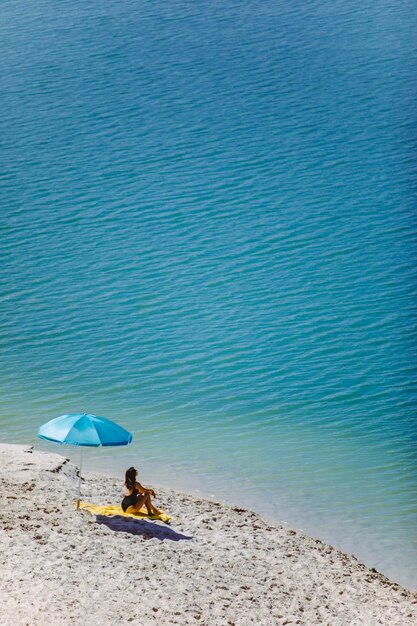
x: 145, y: 499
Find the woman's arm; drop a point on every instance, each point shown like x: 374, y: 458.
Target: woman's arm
x: 142, y: 489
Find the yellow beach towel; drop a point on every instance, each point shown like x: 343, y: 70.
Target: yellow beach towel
x: 116, y: 509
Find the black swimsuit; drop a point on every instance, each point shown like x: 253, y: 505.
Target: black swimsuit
x: 130, y: 500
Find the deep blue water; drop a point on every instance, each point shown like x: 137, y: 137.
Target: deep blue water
x: 208, y: 234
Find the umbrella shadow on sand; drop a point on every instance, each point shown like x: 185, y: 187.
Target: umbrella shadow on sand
x: 148, y: 530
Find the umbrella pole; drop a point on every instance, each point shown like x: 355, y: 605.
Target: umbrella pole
x: 79, y: 477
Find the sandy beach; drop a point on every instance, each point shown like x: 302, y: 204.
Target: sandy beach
x: 214, y: 565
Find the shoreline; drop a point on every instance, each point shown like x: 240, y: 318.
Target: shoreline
x: 216, y: 564
x: 348, y: 539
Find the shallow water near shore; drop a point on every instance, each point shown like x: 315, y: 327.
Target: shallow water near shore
x: 208, y: 234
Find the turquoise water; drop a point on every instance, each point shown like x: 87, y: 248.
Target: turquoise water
x: 208, y: 234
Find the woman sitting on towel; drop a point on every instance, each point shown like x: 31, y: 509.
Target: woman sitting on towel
x: 136, y: 496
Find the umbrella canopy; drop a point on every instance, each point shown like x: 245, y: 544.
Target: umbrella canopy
x: 81, y: 429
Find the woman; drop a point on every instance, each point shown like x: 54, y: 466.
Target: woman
x: 136, y: 496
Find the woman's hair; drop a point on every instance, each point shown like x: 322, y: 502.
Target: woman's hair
x: 130, y: 478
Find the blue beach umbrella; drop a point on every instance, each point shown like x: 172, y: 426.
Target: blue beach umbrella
x: 81, y: 429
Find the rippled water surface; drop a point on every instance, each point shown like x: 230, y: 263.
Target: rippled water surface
x: 208, y: 234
